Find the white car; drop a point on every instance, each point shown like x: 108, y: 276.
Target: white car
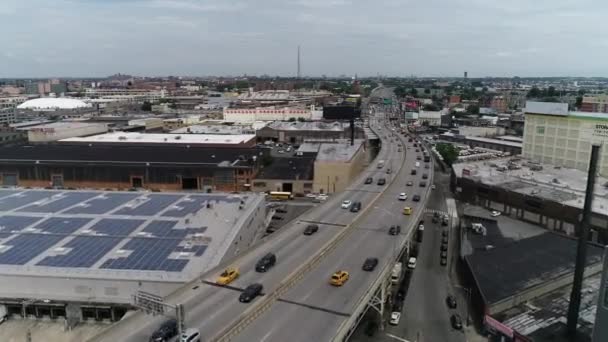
x: 411, y: 263
x: 346, y: 204
x: 495, y: 213
x: 395, y: 317
x: 433, y: 187
x: 402, y: 196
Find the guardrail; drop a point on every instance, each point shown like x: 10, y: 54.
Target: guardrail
x: 254, y: 312
x: 345, y: 329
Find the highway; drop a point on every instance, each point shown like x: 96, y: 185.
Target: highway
x: 313, y: 310
x: 213, y: 309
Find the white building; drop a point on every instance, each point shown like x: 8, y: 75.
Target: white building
x: 53, y: 103
x: 554, y: 135
x: 62, y: 130
x: 269, y: 114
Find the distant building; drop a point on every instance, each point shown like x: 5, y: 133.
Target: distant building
x: 165, y: 139
x: 290, y: 174
x: 267, y: 114
x: 595, y: 104
x: 53, y: 103
x: 430, y: 118
x: 554, y: 135
x: 175, y: 123
x: 61, y: 130
x: 499, y: 103
x: 337, y: 165
x: 297, y: 132
x: 454, y: 100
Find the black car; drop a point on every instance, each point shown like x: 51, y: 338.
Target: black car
x: 311, y: 229
x: 394, y: 230
x: 416, y: 198
x: 250, y: 293
x: 418, y: 158
x: 422, y: 184
x: 413, y: 172
x: 389, y: 171
x: 444, y: 247
x: 381, y: 181
x: 370, y: 264
x: 266, y: 262
x: 417, y: 150
x: 426, y: 166
x: 444, y: 261
x: 444, y: 254
x: 165, y: 332
x: 444, y: 239
x: 355, y: 207
x: 425, y: 176
x: 444, y: 233
x: 369, y: 180
x: 451, y: 301
x: 456, y: 321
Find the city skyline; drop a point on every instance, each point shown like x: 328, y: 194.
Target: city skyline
x: 97, y: 38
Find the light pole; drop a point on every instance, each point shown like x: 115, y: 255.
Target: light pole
x: 467, y: 290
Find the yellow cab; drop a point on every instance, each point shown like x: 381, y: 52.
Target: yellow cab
x: 228, y: 276
x: 407, y: 211
x: 339, y: 278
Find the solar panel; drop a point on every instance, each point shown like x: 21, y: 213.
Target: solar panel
x: 148, y: 254
x: 22, y: 198
x: 85, y: 252
x: 16, y: 223
x: 116, y: 227
x: 59, y: 202
x: 194, y: 203
x: 26, y: 247
x: 62, y: 225
x: 102, y: 204
x: 154, y: 205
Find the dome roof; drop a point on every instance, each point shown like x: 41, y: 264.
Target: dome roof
x: 53, y: 103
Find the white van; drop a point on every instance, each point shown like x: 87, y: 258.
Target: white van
x: 417, y: 164
x: 396, y: 274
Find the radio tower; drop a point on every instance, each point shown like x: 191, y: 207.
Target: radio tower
x: 299, y: 62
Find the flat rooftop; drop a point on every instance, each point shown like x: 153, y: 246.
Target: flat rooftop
x: 62, y: 125
x: 309, y: 126
x: 215, y: 129
x: 117, y: 235
x: 340, y: 152
x: 552, y: 183
x: 160, y: 138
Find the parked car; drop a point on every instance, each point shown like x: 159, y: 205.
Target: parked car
x: 370, y: 264
x: 451, y: 301
x: 369, y: 180
x: 266, y: 262
x: 444, y: 261
x: 444, y: 239
x: 495, y: 213
x: 444, y: 247
x: 456, y: 321
x: 250, y: 293
x: 311, y: 229
x: 444, y: 254
x: 394, y: 230
x: 411, y: 263
x: 165, y: 332
x: 395, y: 317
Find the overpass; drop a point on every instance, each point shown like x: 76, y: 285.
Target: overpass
x: 298, y: 302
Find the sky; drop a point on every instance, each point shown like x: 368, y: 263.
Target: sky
x: 79, y: 38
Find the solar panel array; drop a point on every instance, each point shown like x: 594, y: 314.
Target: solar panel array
x: 101, y: 230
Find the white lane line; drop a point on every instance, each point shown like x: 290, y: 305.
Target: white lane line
x: 397, y: 338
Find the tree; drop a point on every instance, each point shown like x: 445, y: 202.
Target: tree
x: 473, y: 109
x: 146, y: 106
x: 427, y: 91
x: 430, y: 107
x: 292, y: 119
x: 534, y: 92
x: 242, y: 84
x: 579, y: 101
x: 448, y: 152
x: 551, y: 91
x: 301, y: 119
x: 413, y: 92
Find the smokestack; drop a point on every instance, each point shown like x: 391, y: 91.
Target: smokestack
x: 581, y: 253
x: 299, y: 74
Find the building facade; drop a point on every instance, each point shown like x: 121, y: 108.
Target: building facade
x: 337, y: 165
x: 595, y: 104
x: 267, y: 114
x: 553, y: 135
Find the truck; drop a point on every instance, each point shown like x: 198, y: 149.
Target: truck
x: 381, y: 164
x: 396, y: 274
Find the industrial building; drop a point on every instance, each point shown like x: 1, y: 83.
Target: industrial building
x: 337, y: 165
x: 298, y: 132
x: 159, y: 139
x: 509, y: 144
x: 271, y: 114
x: 81, y: 255
x: 290, y: 174
x: 55, y: 131
x: 53, y: 103
x: 164, y: 167
x: 554, y: 135
x: 543, y: 194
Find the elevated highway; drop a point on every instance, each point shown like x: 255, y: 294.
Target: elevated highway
x: 298, y: 303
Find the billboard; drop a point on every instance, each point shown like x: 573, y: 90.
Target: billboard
x: 344, y: 112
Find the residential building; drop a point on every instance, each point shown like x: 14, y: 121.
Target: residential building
x: 554, y: 135
x: 595, y: 104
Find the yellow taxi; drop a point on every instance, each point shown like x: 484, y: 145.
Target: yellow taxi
x: 407, y: 211
x: 339, y: 278
x: 228, y: 276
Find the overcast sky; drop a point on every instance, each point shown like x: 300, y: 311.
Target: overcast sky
x: 43, y: 38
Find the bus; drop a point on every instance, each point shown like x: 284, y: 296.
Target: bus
x: 280, y: 195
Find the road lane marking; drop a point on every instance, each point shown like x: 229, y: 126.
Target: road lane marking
x: 325, y: 223
x: 397, y: 337
x: 313, y: 307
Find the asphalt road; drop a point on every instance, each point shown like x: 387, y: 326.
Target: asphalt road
x: 210, y: 308
x: 313, y: 309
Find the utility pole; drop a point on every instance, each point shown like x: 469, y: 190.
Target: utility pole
x: 299, y: 71
x: 581, y: 253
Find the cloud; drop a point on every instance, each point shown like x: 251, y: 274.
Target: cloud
x: 202, y: 6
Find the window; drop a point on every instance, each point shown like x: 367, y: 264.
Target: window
x: 540, y: 130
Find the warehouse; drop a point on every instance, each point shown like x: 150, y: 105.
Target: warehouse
x: 81, y: 255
